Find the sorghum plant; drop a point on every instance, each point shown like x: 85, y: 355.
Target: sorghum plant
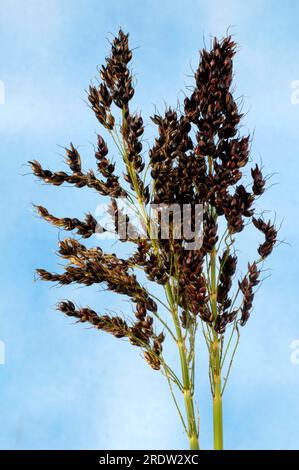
x: 198, y: 157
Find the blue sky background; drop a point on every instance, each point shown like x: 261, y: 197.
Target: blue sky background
x: 64, y: 386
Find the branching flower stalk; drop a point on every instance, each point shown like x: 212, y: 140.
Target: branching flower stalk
x: 197, y: 159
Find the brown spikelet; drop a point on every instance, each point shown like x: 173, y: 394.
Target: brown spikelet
x: 84, y: 228
x: 270, y: 233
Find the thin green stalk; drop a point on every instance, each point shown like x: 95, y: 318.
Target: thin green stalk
x: 215, y: 349
x: 228, y: 345
x: 215, y: 362
x: 217, y: 414
x: 175, y: 400
x: 188, y: 396
x: 232, y: 359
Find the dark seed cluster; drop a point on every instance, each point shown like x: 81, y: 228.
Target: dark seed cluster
x: 84, y: 228
x: 270, y: 234
x: 122, y: 225
x: 246, y: 286
x: 78, y: 178
x: 198, y: 157
x: 208, y: 170
x: 116, y: 75
x: 139, y: 333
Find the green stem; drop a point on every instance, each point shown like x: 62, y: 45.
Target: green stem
x: 188, y: 395
x: 217, y: 414
x: 216, y: 362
